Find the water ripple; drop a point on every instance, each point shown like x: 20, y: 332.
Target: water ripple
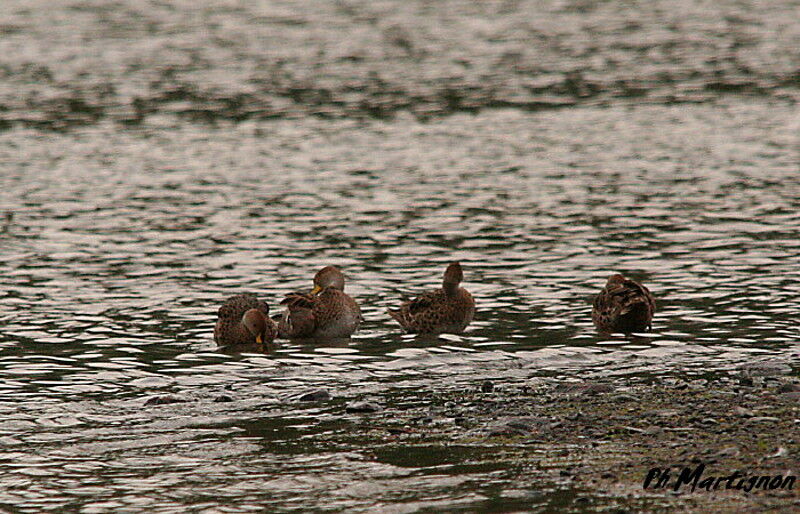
x: 124, y: 243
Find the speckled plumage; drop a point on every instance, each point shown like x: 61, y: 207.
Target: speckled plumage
x: 623, y: 306
x: 326, y: 312
x: 236, y: 327
x: 446, y: 310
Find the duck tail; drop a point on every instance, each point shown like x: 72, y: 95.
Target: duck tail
x: 635, y: 306
x: 637, y: 314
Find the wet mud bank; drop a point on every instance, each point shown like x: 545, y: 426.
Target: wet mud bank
x: 706, y: 444
x: 81, y: 62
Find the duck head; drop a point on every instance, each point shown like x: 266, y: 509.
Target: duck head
x: 255, y: 321
x: 453, y: 276
x: 329, y: 276
x: 615, y: 279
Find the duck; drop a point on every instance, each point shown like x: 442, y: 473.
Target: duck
x: 441, y: 311
x: 244, y: 320
x: 623, y: 305
x: 327, y: 312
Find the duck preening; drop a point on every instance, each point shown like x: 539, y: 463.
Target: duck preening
x: 326, y: 312
x: 244, y: 320
x: 623, y: 305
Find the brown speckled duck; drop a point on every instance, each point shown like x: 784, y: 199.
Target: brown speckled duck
x: 446, y: 310
x: 623, y: 306
x: 327, y: 312
x: 244, y: 320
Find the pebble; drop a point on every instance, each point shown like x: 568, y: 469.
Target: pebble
x: 164, y: 399
x: 763, y: 419
x: 318, y: 395
x: 766, y: 369
x: 586, y: 389
x: 664, y: 413
x: 729, y: 451
x: 780, y: 452
x: 633, y: 429
x: 362, y: 406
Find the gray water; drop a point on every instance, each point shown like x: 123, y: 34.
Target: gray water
x: 128, y: 232
x: 124, y: 243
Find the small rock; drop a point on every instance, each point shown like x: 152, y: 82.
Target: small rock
x: 730, y: 451
x: 666, y: 413
x: 633, y: 429
x: 593, y: 389
x: 164, y: 399
x: 361, y: 406
x: 223, y: 398
x: 743, y: 412
x: 318, y: 395
x: 763, y: 419
x: 789, y: 388
x: 781, y: 452
x: 766, y: 369
x: 583, y: 388
x: 514, y: 426
x: 487, y: 387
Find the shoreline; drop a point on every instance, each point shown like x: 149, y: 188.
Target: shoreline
x: 603, y: 439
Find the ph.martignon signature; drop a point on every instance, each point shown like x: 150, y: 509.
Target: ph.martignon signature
x: 662, y: 478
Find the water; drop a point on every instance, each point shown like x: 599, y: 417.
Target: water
x: 127, y: 237
x: 124, y: 243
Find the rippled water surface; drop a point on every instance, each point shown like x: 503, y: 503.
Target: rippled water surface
x: 157, y: 157
x: 124, y: 242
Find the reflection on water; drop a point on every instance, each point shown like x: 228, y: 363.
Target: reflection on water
x: 124, y: 243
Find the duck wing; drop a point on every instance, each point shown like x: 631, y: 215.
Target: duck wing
x: 299, y: 320
x: 235, y: 306
x: 422, y: 302
x: 618, y: 306
x: 414, y: 315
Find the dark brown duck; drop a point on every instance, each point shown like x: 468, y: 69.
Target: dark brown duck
x: 623, y: 306
x: 446, y: 310
x: 244, y: 320
x: 326, y: 312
